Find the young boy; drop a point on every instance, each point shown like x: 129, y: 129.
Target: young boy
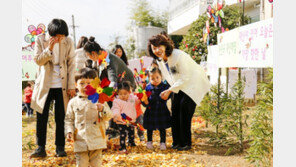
x: 85, y: 122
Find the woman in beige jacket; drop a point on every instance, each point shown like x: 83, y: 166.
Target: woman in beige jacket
x: 55, y: 81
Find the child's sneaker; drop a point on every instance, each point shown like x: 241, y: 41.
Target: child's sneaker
x: 149, y: 145
x: 122, y: 151
x: 142, y: 138
x: 162, y: 146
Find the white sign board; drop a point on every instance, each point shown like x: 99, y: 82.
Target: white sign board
x: 247, y: 46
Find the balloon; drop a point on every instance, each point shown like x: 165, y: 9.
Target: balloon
x: 219, y: 22
x: 222, y: 28
x: 212, y: 11
x: 32, y: 39
x: 34, y: 32
x: 227, y: 29
x: 28, y: 38
x: 212, y: 20
x: 41, y: 26
x: 31, y: 28
x: 39, y: 30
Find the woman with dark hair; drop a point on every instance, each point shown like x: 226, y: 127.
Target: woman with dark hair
x: 118, y: 51
x: 187, y: 81
x: 80, y: 56
x: 115, y: 66
x: 54, y: 54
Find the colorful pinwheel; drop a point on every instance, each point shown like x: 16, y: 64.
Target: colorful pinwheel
x: 128, y: 122
x: 99, y: 91
x: 141, y: 80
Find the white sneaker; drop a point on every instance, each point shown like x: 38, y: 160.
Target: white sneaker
x: 162, y: 146
x: 149, y: 145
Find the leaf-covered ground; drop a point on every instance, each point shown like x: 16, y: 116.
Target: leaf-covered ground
x: 202, y: 154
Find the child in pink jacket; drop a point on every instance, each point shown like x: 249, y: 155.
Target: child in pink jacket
x: 125, y: 103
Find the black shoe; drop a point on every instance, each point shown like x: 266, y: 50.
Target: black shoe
x: 60, y: 151
x: 39, y: 152
x: 184, y: 148
x: 175, y: 146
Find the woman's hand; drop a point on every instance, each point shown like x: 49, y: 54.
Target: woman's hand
x: 52, y: 41
x: 69, y: 136
x: 165, y: 94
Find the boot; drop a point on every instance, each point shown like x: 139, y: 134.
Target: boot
x: 60, y: 151
x: 39, y: 152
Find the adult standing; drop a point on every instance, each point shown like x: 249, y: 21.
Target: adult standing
x: 187, y: 81
x: 80, y: 56
x: 119, y: 51
x: 54, y: 54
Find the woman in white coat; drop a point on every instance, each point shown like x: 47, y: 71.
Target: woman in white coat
x: 80, y: 56
x: 187, y: 81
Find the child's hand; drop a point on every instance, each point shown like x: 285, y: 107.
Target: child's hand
x: 69, y: 136
x: 165, y: 94
x: 146, y: 101
x: 100, y: 107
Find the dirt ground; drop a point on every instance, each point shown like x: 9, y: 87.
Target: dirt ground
x: 202, y: 154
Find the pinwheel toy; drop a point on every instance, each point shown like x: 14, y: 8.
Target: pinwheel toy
x: 98, y: 91
x: 128, y: 122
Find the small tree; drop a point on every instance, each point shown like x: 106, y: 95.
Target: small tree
x: 193, y: 42
x: 261, y: 149
x: 212, y: 110
x: 235, y: 121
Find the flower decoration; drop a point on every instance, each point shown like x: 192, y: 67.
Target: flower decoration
x: 99, y: 91
x: 33, y: 32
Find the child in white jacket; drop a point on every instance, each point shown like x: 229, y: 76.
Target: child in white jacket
x: 85, y: 123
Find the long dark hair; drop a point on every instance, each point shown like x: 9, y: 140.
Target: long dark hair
x: 123, y: 57
x: 82, y: 41
x: 91, y: 45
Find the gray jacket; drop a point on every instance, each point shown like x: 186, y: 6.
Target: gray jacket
x: 116, y: 66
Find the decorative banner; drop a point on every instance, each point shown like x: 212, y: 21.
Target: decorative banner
x: 228, y: 48
x: 247, y: 46
x: 29, y: 67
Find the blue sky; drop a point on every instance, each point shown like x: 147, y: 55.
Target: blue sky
x: 102, y: 19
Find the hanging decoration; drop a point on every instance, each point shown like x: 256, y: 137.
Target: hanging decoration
x: 215, y: 15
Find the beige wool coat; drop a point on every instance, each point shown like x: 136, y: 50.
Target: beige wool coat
x: 82, y: 120
x: 43, y: 58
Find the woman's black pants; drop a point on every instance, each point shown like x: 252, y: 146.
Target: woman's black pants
x: 183, y: 108
x: 59, y: 115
